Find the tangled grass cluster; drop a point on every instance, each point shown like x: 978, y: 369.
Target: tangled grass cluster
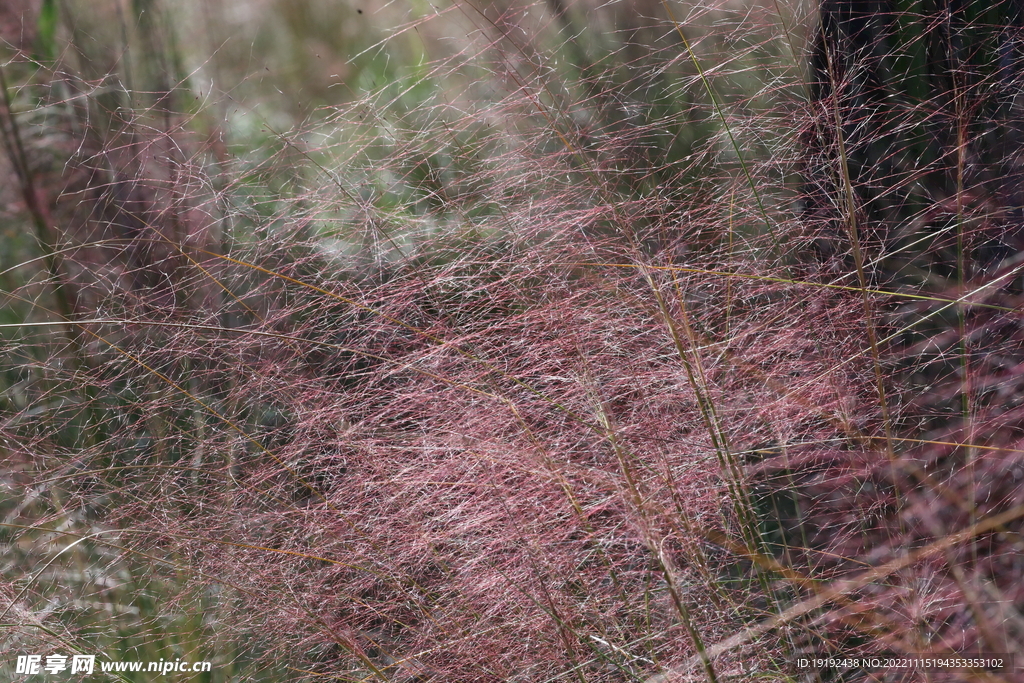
x: 606, y: 342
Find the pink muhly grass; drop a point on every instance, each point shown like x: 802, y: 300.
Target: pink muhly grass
x: 517, y: 366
